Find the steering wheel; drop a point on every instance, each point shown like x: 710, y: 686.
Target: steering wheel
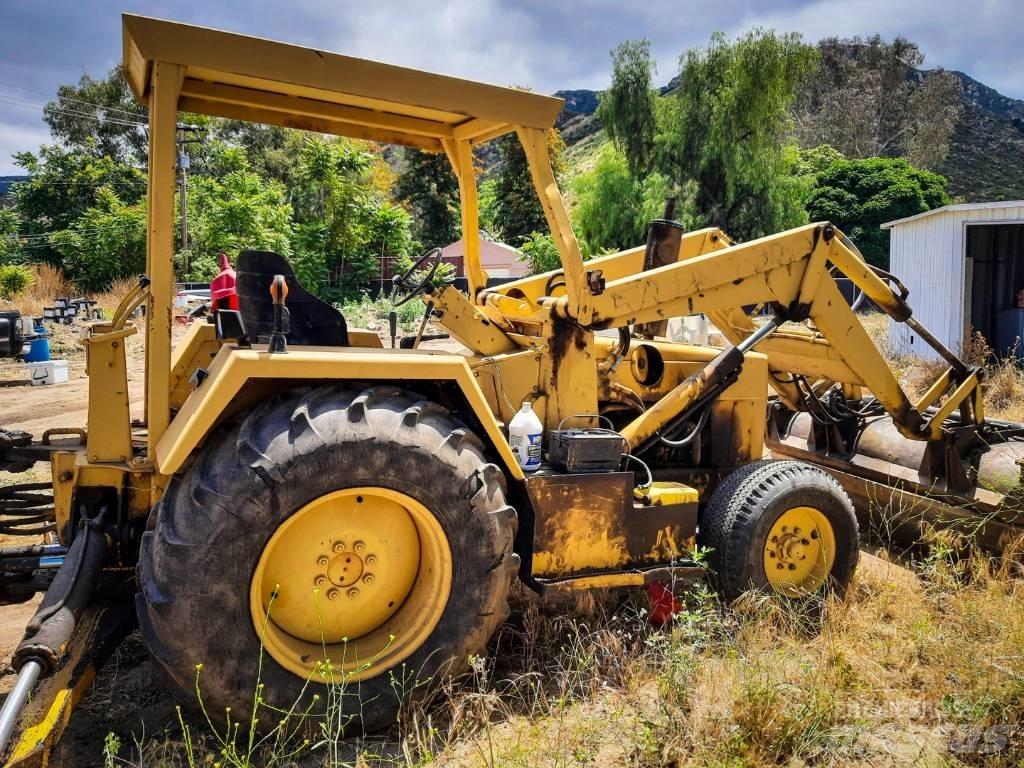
x: 400, y: 283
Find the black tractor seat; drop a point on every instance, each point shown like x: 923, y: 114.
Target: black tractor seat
x: 314, y: 322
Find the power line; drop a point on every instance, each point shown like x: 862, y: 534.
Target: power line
x: 77, y: 101
x: 20, y: 238
x: 88, y: 115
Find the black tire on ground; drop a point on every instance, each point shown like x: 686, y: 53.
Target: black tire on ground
x: 744, y: 507
x: 215, y: 518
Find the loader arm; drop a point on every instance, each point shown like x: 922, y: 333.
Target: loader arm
x: 793, y: 272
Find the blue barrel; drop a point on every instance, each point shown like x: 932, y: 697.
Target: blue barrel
x: 38, y: 351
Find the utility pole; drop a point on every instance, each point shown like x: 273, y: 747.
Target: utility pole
x: 186, y: 136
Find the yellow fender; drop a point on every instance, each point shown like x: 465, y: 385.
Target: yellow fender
x: 234, y: 368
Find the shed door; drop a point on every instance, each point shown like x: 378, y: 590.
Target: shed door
x: 996, y: 252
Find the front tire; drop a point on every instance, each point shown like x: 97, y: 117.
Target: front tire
x: 247, y: 554
x: 781, y: 527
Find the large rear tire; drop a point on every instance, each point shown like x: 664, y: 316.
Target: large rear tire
x: 329, y: 487
x: 781, y: 527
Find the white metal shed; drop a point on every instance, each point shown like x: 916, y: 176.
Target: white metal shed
x: 964, y: 266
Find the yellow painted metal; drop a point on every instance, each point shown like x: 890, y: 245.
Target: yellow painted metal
x: 384, y: 102
x: 49, y: 710
x: 799, y: 552
x: 62, y: 469
x: 460, y: 155
x: 507, y: 381
x: 935, y: 391
x: 662, y: 492
x: 647, y: 424
x: 351, y: 584
x: 233, y: 368
x: 568, y: 372
x: 196, y: 350
x: 964, y: 393
x: 162, y: 98
x: 109, y: 427
x: 361, y: 337
x: 578, y: 299
x: 468, y: 324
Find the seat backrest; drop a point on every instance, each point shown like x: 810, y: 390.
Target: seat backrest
x: 314, y: 322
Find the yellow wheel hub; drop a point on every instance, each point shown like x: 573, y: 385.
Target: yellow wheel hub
x: 800, y: 552
x: 358, y: 578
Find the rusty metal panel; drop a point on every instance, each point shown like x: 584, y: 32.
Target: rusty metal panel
x: 588, y: 522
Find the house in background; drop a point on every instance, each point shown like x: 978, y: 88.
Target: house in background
x: 497, y: 259
x: 964, y: 267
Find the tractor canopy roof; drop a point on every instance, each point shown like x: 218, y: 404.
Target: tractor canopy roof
x: 249, y: 78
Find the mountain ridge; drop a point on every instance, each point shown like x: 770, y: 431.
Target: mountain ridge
x: 986, y: 151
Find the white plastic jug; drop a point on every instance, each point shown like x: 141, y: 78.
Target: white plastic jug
x: 524, y: 435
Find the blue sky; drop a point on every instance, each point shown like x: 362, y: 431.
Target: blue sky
x: 545, y: 44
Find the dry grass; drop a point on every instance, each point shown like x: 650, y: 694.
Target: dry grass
x: 918, y: 666
x: 48, y: 283
x: 108, y: 300
x: 1004, y: 379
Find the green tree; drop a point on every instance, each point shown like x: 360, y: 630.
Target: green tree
x: 345, y: 226
x: 106, y: 242
x: 62, y: 185
x: 100, y: 118
x: 627, y: 108
x: 860, y: 195
x: 237, y: 209
x: 10, y: 243
x: 517, y: 212
x: 541, y: 253
x: 726, y: 128
x: 811, y: 162
x: 613, y: 206
x: 428, y: 187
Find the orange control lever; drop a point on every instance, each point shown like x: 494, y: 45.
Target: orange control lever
x: 278, y: 289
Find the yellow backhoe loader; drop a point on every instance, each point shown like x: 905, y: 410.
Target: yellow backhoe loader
x: 357, y: 512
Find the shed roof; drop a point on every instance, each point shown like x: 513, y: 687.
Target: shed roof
x: 250, y: 78
x: 995, y: 204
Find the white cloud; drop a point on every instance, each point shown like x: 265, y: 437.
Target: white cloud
x: 478, y: 39
x: 19, y: 138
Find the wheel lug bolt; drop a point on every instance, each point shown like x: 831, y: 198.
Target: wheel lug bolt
x: 353, y: 592
x: 805, y: 542
x: 796, y: 530
x: 339, y: 546
x: 332, y: 594
x: 780, y: 566
x: 359, y: 546
x: 371, y: 559
x: 814, y: 534
x: 792, y: 567
x: 320, y: 580
x: 368, y: 578
x: 322, y: 560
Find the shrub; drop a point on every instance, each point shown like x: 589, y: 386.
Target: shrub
x: 14, y: 279
x: 541, y: 253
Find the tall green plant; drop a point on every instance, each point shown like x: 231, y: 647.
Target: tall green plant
x: 859, y: 196
x: 613, y: 206
x: 627, y: 108
x: 727, y: 128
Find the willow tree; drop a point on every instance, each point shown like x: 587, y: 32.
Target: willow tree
x: 627, y: 108
x: 727, y: 128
